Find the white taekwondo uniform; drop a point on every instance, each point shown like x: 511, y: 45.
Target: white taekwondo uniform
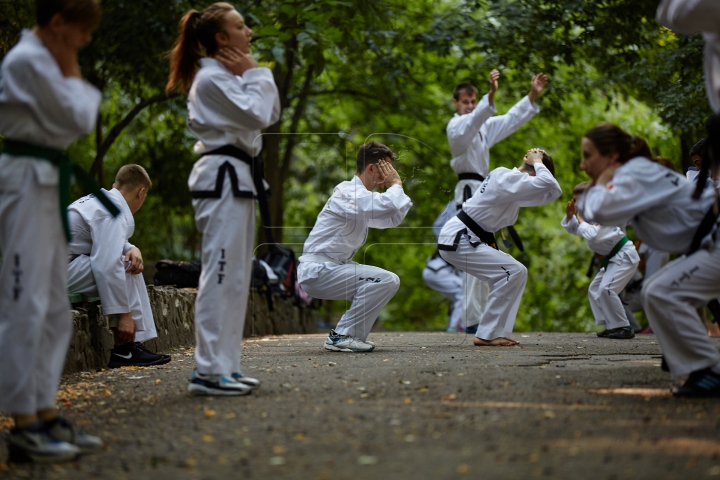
x: 605, y: 288
x: 443, y: 277
x: 698, y: 16
x: 326, y: 269
x: 657, y: 202
x: 494, y: 206
x: 97, y: 261
x: 225, y: 109
x: 40, y: 106
x: 470, y: 137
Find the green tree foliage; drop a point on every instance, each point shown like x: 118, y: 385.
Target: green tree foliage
x: 356, y: 70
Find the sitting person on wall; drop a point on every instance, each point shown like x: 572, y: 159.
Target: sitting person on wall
x: 104, y: 263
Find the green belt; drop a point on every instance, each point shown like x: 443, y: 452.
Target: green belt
x: 614, y: 251
x: 67, y: 168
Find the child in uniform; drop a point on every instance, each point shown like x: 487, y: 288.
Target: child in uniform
x: 619, y: 264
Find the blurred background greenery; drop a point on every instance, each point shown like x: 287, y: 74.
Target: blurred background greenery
x: 356, y: 70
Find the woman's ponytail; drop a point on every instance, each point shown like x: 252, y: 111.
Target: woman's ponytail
x: 609, y: 139
x: 186, y: 53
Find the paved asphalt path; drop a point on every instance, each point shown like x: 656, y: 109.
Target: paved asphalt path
x: 422, y: 406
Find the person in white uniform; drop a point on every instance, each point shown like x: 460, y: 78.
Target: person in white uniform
x: 629, y: 188
x: 468, y: 242
x: 326, y: 269
x: 443, y: 277
x: 104, y: 263
x: 45, y: 105
x: 230, y: 100
x: 619, y: 264
x: 471, y: 133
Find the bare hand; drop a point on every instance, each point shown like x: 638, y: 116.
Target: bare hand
x: 533, y: 156
x: 537, y: 85
x: 390, y: 175
x: 493, y: 79
x: 236, y: 61
x: 136, y: 262
x: 125, y: 331
x: 570, y: 209
x: 606, y: 176
x: 65, y: 55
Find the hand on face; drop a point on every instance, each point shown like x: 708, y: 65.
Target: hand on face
x: 607, y: 175
x: 235, y: 61
x: 389, y: 175
x: 64, y: 40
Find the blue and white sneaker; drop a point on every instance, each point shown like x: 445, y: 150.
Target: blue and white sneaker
x: 216, y: 385
x: 61, y: 429
x: 249, y: 381
x: 34, y: 444
x: 700, y: 384
x: 346, y: 343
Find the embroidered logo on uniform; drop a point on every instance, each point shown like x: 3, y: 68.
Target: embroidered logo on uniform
x: 508, y: 273
x: 222, y: 263
x: 685, y: 276
x: 371, y: 279
x: 609, y: 186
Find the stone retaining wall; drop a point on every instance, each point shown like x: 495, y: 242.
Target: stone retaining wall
x: 173, y: 310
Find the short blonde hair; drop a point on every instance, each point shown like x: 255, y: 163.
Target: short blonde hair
x: 130, y: 177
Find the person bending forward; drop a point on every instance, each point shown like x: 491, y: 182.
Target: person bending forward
x: 326, y: 270
x: 468, y: 241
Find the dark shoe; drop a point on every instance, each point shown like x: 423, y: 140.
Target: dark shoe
x: 472, y: 330
x: 621, y: 333
x: 700, y: 384
x: 142, y: 347
x: 34, y: 444
x: 663, y: 365
x: 130, y: 354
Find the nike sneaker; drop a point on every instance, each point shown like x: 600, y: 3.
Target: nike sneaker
x: 130, y: 354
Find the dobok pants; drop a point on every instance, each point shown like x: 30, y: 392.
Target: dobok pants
x: 671, y: 298
x: 227, y: 225
x: 369, y: 288
x: 82, y: 280
x: 35, y: 321
x: 448, y: 283
x: 505, y: 276
x: 604, y: 290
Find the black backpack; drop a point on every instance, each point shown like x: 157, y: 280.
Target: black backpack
x: 180, y: 274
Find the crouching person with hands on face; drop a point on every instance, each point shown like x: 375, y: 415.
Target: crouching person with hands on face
x: 104, y: 263
x: 467, y: 241
x: 326, y: 269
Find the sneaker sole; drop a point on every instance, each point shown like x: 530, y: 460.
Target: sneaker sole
x: 333, y: 348
x: 196, y: 389
x: 20, y: 455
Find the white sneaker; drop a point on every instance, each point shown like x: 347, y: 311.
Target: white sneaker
x: 249, y: 381
x: 62, y: 429
x: 216, y: 385
x: 346, y: 343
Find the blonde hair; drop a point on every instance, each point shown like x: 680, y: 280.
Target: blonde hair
x: 131, y: 177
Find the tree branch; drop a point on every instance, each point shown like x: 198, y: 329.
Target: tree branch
x: 120, y: 126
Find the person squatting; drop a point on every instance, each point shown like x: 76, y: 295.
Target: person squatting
x: 45, y: 105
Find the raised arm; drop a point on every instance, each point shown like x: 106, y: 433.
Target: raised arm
x: 689, y: 16
x: 500, y: 127
x: 462, y: 129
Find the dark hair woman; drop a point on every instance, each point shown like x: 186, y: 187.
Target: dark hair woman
x: 630, y: 188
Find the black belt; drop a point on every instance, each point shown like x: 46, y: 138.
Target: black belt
x: 471, y: 176
x: 705, y: 227
x: 483, y: 235
x: 256, y: 167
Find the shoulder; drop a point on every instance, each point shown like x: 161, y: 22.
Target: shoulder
x: 26, y: 55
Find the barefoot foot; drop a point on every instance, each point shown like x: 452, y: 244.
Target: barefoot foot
x: 495, y: 342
